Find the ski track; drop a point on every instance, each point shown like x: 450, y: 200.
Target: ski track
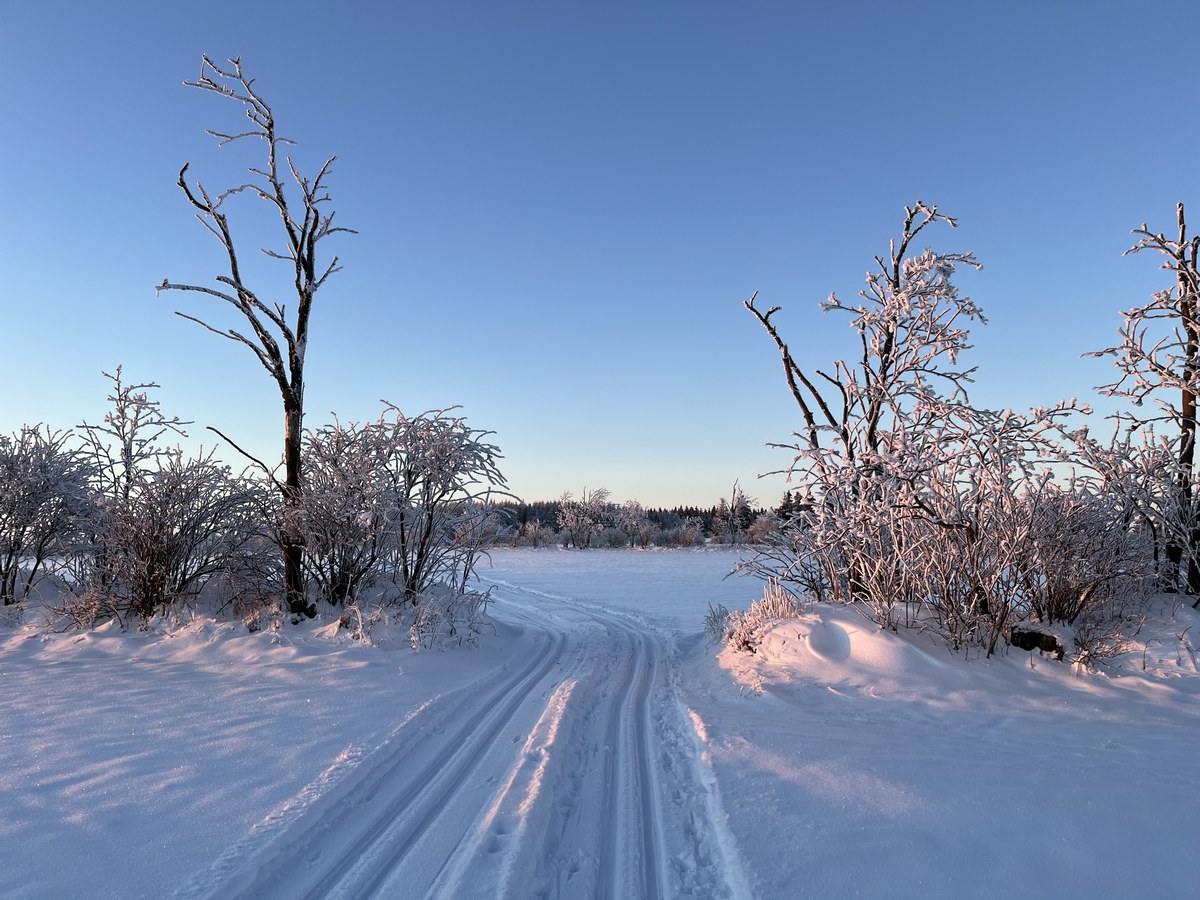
x: 577, y: 774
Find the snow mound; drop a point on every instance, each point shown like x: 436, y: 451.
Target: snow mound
x: 835, y: 649
x: 838, y: 648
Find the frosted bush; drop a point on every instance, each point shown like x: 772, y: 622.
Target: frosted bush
x: 743, y: 630
x: 448, y: 615
x: 716, y: 621
x: 923, y: 510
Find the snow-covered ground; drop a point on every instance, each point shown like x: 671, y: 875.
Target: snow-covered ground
x: 595, y: 746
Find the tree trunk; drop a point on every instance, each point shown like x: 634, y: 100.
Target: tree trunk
x: 1186, y: 286
x: 292, y: 534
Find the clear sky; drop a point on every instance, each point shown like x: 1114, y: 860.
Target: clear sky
x: 561, y: 206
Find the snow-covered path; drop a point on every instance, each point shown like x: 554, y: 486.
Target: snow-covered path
x: 574, y: 772
x: 594, y: 746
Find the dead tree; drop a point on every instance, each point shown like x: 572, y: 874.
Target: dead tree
x: 1159, y: 358
x: 277, y: 341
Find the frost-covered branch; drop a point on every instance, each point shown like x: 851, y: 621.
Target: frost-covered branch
x: 1157, y: 357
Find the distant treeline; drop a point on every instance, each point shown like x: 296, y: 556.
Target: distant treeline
x: 594, y: 521
x: 547, y: 512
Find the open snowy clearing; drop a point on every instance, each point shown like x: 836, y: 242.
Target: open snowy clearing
x: 596, y: 746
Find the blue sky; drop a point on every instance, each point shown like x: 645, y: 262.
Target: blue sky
x: 561, y: 207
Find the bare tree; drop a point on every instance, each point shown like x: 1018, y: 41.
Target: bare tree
x: 1159, y: 359
x: 277, y: 340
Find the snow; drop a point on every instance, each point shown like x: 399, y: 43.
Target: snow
x: 595, y: 744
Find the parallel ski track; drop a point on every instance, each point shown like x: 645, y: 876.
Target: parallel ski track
x: 393, y: 830
x: 358, y: 840
x: 628, y: 771
x: 399, y: 822
x: 628, y: 734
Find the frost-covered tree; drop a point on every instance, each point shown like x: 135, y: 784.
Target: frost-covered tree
x: 534, y: 533
x: 443, y: 475
x: 404, y: 502
x: 162, y: 524
x: 927, y: 511
x: 346, y: 508
x: 912, y: 326
x: 732, y: 516
x: 130, y: 437
x: 278, y: 331
x: 582, y: 518
x: 43, y: 502
x: 632, y: 519
x: 763, y: 527
x: 1158, y: 357
x: 186, y: 520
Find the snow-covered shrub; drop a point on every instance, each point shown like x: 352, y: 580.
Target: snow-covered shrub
x: 688, y: 533
x: 924, y: 510
x: 763, y: 526
x: 86, y: 608
x: 581, y: 520
x: 162, y: 525
x: 716, y: 622
x: 184, y: 523
x: 43, y: 500
x: 442, y: 476
x: 631, y: 518
x: 441, y: 616
x: 401, y: 505
x: 448, y: 615
x: 347, y: 508
x: 535, y: 534
x: 1139, y: 472
x: 612, y: 537
x: 743, y: 630
x: 253, y: 583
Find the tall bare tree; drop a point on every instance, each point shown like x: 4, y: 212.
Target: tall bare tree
x: 277, y: 337
x: 1158, y: 357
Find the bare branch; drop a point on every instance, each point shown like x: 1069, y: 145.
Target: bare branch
x: 267, y: 470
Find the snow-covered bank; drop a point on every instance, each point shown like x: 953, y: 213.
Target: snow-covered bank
x: 839, y: 760
x: 894, y: 769
x: 128, y: 761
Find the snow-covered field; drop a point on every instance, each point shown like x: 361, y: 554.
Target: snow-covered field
x: 595, y: 746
